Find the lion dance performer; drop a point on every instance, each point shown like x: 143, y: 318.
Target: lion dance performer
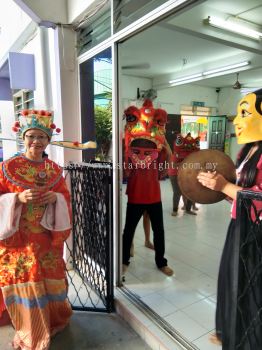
x: 183, y: 146
x: 146, y: 151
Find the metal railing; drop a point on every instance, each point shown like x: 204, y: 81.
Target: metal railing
x: 246, y: 332
x: 89, y: 253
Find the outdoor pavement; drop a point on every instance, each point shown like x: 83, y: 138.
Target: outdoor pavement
x: 89, y: 331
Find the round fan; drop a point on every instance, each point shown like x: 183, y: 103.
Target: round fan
x: 237, y: 84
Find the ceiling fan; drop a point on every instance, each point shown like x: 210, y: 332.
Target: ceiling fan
x: 237, y: 85
x: 137, y: 66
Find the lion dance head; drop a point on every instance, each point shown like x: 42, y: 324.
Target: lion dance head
x: 144, y: 133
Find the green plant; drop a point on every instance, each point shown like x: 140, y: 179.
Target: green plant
x: 103, y: 129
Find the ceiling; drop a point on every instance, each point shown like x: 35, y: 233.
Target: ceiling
x: 182, y: 45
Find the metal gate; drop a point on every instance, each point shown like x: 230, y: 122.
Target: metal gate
x: 247, y: 309
x: 89, y: 253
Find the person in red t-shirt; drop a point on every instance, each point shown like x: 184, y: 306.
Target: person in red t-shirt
x: 183, y: 146
x: 146, y: 227
x: 143, y: 191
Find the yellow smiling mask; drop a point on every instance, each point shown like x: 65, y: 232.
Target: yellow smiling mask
x: 248, y: 121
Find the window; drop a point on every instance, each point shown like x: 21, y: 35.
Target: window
x: 23, y: 99
x: 96, y: 104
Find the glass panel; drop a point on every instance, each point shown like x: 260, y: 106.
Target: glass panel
x: 213, y: 138
x: 92, y: 34
x: 214, y: 125
x: 128, y: 11
x: 220, y: 125
x: 168, y: 51
x: 96, y: 104
x: 203, y: 129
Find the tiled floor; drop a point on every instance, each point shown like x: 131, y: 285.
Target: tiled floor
x: 193, y: 248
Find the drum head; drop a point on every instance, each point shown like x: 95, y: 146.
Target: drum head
x: 204, y: 160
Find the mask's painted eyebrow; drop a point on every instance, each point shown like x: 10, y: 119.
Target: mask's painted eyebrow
x: 244, y: 103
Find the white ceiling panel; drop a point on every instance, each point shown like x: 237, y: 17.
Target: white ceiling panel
x: 182, y: 45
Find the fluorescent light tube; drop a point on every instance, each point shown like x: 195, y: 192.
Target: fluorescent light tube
x: 186, y: 81
x: 232, y: 68
x: 227, y: 68
x: 189, y: 77
x: 233, y: 27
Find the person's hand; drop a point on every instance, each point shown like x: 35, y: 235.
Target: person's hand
x: 37, y: 197
x: 47, y: 198
x: 212, y: 180
x: 28, y: 196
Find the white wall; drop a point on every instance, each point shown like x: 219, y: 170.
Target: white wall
x: 228, y: 100
x: 8, y: 119
x: 45, y: 10
x: 66, y: 94
x: 172, y: 98
x: 12, y: 22
x: 129, y: 85
x: 128, y: 93
x: 41, y: 97
x: 77, y: 8
x: 34, y: 47
x: 56, y: 80
x: 225, y: 102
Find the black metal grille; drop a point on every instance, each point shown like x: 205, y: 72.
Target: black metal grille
x: 247, y: 328
x: 89, y: 254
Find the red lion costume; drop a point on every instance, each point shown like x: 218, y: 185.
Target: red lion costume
x: 146, y: 123
x: 183, y: 146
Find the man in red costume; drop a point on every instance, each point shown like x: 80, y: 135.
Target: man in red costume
x: 146, y: 153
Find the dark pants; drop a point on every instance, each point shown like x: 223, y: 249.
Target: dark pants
x: 177, y: 195
x: 133, y: 215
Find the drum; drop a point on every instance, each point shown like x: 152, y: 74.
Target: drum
x: 204, y: 160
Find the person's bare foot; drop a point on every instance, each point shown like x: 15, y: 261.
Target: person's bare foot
x: 213, y: 338
x: 132, y: 250
x: 149, y: 245
x: 167, y: 270
x: 190, y: 212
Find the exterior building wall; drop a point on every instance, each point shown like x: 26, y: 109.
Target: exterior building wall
x: 13, y: 20
x: 56, y: 79
x: 7, y: 119
x: 77, y: 7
